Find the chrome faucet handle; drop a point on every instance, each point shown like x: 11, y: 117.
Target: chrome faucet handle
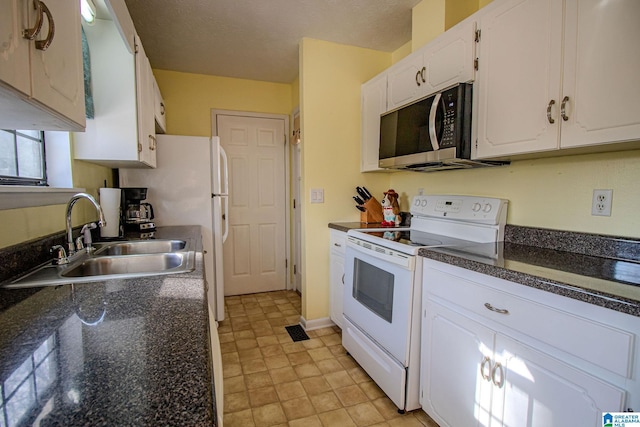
x: 79, y: 244
x: 86, y: 234
x: 61, y: 255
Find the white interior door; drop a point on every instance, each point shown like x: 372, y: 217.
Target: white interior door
x: 255, y: 250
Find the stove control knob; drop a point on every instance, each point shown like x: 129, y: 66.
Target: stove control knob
x: 476, y: 207
x: 417, y: 202
x: 487, y: 208
x: 424, y: 203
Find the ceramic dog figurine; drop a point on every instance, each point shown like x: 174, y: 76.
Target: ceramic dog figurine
x: 390, y: 209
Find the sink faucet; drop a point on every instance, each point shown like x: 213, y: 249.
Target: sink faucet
x: 70, y: 204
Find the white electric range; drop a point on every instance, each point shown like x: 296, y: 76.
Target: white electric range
x: 383, y: 276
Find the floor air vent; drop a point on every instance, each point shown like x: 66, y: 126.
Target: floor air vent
x: 297, y: 333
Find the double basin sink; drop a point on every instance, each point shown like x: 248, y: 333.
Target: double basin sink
x: 114, y: 260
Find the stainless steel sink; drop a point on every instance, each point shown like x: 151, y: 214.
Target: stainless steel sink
x: 126, y: 265
x: 139, y: 247
x: 114, y: 260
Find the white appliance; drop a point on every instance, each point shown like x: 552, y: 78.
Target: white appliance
x: 383, y: 276
x: 189, y: 187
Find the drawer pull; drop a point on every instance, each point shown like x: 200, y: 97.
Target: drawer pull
x: 337, y: 244
x: 497, y: 310
x: 495, y: 369
x: 487, y: 376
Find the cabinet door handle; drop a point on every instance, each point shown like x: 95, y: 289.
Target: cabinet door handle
x: 551, y: 120
x: 31, y: 33
x: 497, y: 310
x: 418, y: 78
x: 424, y: 69
x: 563, y: 110
x: 337, y: 244
x: 44, y: 44
x: 343, y: 279
x: 152, y: 145
x: 487, y: 376
x: 497, y: 367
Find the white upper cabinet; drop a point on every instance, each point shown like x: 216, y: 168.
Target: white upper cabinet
x: 122, y: 134
x: 557, y: 75
x: 600, y: 79
x: 41, y: 76
x: 145, y: 104
x: 443, y: 62
x: 374, y: 103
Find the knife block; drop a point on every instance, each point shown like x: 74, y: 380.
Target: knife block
x: 372, y: 213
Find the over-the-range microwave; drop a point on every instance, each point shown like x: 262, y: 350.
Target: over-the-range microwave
x: 433, y: 133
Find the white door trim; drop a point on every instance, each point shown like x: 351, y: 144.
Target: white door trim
x: 287, y: 165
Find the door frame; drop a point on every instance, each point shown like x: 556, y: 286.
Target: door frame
x: 287, y: 174
x: 296, y: 195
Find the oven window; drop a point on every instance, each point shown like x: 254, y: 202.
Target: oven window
x: 373, y: 288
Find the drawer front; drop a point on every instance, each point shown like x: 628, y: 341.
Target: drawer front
x: 597, y: 343
x: 338, y: 241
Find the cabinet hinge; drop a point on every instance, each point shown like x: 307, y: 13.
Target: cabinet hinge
x: 476, y: 62
x: 295, y: 269
x: 478, y: 32
x: 476, y: 143
x: 286, y: 263
x: 294, y: 203
x: 139, y: 148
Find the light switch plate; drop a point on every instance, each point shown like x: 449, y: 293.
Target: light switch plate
x: 317, y: 195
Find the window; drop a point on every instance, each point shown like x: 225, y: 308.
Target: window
x: 22, y: 157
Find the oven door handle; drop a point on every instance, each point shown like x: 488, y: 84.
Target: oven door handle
x: 406, y: 262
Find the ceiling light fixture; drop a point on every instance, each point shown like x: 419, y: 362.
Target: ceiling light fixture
x: 88, y: 11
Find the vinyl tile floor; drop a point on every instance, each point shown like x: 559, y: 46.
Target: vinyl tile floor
x: 269, y: 380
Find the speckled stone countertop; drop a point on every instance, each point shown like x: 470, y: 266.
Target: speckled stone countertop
x: 600, y: 270
x: 131, y: 352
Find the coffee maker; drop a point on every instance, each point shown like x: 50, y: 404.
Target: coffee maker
x: 136, y: 215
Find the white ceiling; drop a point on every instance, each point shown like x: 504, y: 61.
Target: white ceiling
x: 258, y: 39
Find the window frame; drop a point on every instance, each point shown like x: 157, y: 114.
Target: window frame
x: 27, y: 181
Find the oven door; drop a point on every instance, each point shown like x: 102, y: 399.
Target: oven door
x: 378, y: 296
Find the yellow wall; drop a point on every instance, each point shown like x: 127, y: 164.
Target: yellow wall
x: 20, y: 225
x: 330, y: 80
x: 428, y: 22
x: 189, y: 99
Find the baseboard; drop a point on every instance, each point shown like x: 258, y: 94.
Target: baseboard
x: 310, y: 325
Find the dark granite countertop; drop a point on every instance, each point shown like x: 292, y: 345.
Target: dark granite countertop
x: 129, y: 352
x: 600, y: 270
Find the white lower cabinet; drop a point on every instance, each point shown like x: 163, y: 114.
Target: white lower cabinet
x: 336, y: 275
x: 481, y: 367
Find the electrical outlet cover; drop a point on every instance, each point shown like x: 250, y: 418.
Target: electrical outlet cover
x: 601, y: 202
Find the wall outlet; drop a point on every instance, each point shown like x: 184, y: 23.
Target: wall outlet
x: 601, y: 203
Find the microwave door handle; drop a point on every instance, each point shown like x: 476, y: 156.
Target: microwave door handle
x: 432, y: 122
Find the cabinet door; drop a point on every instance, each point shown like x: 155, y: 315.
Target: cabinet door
x: 405, y: 83
x: 374, y: 103
x: 454, y: 350
x: 601, y: 64
x: 518, y: 76
x: 336, y: 275
x: 57, y: 72
x: 145, y: 108
x: 14, y: 49
x: 158, y: 108
x: 538, y: 390
x: 449, y: 58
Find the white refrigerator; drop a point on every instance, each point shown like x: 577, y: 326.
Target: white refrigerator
x: 189, y: 186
